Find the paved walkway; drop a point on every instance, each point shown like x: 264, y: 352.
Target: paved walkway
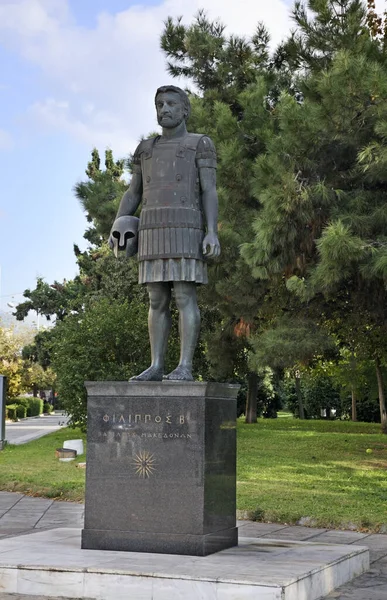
x: 21, y: 514
x: 33, y: 428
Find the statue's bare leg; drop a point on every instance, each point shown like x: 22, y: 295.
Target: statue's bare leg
x: 159, y: 323
x: 189, y: 326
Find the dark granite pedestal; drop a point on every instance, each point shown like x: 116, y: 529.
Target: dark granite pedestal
x: 161, y: 467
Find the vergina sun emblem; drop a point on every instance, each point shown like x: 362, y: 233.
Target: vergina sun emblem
x: 144, y: 464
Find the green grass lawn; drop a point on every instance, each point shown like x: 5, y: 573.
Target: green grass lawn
x: 33, y: 468
x: 287, y: 469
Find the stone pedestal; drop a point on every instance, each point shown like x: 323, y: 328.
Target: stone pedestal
x: 161, y: 467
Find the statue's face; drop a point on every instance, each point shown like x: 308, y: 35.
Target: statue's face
x: 170, y: 111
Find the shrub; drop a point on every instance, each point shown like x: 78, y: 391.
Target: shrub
x: 47, y: 407
x: 35, y: 407
x: 21, y: 411
x: 10, y: 412
x: 24, y: 400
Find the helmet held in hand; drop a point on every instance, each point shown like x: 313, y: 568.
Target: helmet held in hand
x: 125, y: 235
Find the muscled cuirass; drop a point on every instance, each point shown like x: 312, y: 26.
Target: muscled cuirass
x: 171, y: 220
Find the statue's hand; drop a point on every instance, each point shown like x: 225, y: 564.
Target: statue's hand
x: 211, y: 241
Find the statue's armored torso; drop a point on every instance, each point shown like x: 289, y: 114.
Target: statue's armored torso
x: 171, y: 227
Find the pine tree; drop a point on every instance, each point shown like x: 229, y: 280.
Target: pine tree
x: 100, y: 195
x: 325, y: 27
x: 322, y: 184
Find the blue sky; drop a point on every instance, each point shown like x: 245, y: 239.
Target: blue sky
x: 76, y: 74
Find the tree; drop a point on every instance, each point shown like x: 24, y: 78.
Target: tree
x: 100, y: 195
x: 107, y: 341
x: 321, y: 228
x: 11, y: 361
x: 326, y: 27
x: 292, y: 344
x: 35, y: 378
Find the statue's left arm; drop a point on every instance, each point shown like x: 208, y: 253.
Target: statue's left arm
x: 207, y: 175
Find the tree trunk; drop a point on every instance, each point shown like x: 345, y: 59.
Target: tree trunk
x: 34, y: 390
x: 301, y: 412
x: 251, y: 399
x: 382, y: 399
x: 354, y: 405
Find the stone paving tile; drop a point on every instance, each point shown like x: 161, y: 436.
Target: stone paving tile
x: 54, y: 524
x: 249, y: 529
x: 376, y: 541
x: 9, y: 520
x: 296, y: 533
x: 10, y: 495
x: 29, y: 501
x: 342, y: 537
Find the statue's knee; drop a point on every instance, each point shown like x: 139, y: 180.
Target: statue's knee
x: 158, y: 300
x: 186, y: 297
x: 182, y: 299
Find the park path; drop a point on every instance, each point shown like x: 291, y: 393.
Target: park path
x: 33, y: 428
x: 21, y: 514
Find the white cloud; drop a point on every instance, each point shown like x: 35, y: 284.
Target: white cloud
x: 104, y: 78
x: 6, y: 140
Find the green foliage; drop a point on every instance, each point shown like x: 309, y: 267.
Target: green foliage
x: 51, y: 300
x: 321, y: 395
x: 216, y: 63
x: 35, y: 407
x: 47, y: 407
x: 15, y: 411
x: 291, y: 343
x: 321, y: 183
x: 10, y: 412
x: 100, y: 195
x: 109, y: 341
x: 21, y: 411
x: 325, y: 27
x: 24, y: 400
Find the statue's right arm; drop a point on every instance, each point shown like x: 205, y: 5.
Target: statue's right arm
x: 130, y: 201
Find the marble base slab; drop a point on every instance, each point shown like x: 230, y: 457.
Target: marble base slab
x: 129, y: 541
x: 52, y: 563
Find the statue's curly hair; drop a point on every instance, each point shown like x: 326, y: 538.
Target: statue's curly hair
x: 183, y: 96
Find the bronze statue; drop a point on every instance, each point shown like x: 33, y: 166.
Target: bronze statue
x: 174, y: 176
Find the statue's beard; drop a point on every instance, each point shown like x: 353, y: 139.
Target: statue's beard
x: 170, y: 123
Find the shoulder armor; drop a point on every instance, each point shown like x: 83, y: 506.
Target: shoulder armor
x: 145, y: 147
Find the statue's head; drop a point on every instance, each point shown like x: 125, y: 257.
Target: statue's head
x: 172, y: 106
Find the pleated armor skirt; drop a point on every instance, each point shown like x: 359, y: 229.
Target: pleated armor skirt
x: 172, y: 269
x: 171, y: 253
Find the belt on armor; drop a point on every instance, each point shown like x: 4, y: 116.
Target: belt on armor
x: 162, y: 217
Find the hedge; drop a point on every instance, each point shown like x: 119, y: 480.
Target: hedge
x: 10, y: 412
x: 34, y: 406
x: 47, y: 408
